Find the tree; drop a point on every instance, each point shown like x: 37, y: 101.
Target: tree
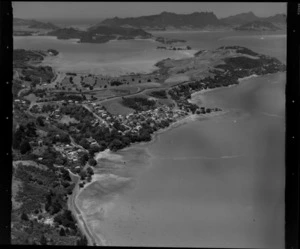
x: 93, y: 150
x: 24, y: 217
x: 84, y: 143
x: 17, y: 138
x: 82, y: 241
x: 43, y: 240
x: 82, y: 175
x: 115, y: 145
x: 62, y: 232
x: 90, y: 171
x: 40, y: 121
x: 25, y: 147
x: 84, y: 158
x: 92, y: 162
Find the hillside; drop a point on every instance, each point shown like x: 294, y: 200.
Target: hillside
x: 33, y: 24
x: 208, y: 63
x: 167, y: 20
x: 279, y: 20
x: 258, y: 26
x: 240, y: 19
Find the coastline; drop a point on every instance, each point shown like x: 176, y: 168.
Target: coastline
x: 77, y: 213
x: 110, y: 155
x: 196, y: 96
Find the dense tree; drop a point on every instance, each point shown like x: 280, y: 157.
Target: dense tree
x: 82, y: 241
x: 24, y: 217
x: 40, y: 121
x: 90, y: 171
x: 115, y: 145
x: 62, y: 232
x: 43, y: 240
x: 25, y: 147
x: 84, y: 158
x: 92, y: 162
x: 93, y: 150
x: 82, y: 174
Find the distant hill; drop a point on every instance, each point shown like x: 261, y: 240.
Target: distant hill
x: 66, y: 33
x: 100, y: 34
x: 108, y: 30
x: 33, y: 24
x: 167, y: 20
x: 240, y: 19
x: 279, y: 20
x: 258, y: 26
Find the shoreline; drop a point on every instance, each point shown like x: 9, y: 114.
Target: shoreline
x: 199, y: 93
x: 112, y: 156
x: 78, y: 214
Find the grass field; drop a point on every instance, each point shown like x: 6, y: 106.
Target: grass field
x: 116, y: 108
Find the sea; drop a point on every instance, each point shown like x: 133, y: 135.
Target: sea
x: 211, y: 182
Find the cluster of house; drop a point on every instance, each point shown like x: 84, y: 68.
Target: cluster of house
x: 21, y: 104
x: 69, y: 151
x: 134, y: 121
x: 104, y: 117
x: 54, y: 115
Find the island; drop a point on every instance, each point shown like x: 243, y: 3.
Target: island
x: 100, y: 34
x: 168, y: 41
x: 257, y: 26
x: 174, y: 47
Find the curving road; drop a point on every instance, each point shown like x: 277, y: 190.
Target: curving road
x: 77, y: 213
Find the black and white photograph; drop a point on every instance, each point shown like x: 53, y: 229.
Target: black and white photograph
x: 149, y: 124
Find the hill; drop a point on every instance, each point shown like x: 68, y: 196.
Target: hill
x: 240, y: 19
x: 33, y: 24
x: 167, y: 20
x: 279, y: 20
x: 258, y: 26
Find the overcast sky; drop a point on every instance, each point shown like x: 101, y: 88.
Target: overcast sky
x: 94, y: 10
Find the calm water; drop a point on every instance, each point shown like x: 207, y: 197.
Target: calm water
x: 113, y: 58
x: 217, y: 182
x: 140, y: 56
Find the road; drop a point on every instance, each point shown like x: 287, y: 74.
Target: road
x: 77, y: 213
x: 95, y: 115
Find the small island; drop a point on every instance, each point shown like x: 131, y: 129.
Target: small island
x: 174, y: 47
x: 164, y: 40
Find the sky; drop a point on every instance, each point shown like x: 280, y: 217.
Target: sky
x: 94, y: 10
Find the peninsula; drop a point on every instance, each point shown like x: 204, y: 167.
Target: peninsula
x: 62, y: 119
